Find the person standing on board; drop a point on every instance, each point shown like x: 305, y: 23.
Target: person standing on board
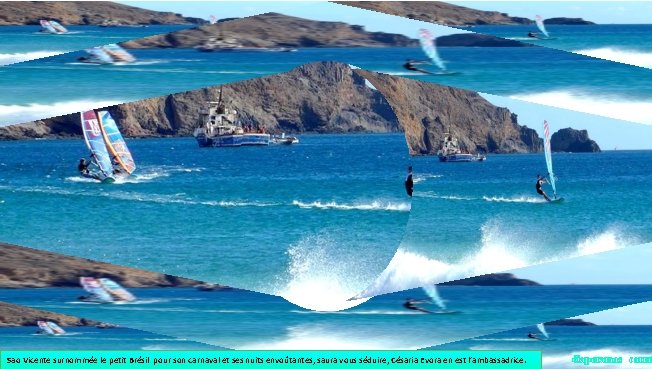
x: 409, y: 184
x: 540, y: 181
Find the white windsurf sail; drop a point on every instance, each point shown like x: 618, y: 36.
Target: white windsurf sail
x: 46, y: 26
x: 117, y: 291
x: 99, y: 56
x: 428, y: 45
x: 542, y: 329
x: 539, y: 21
x: 93, y: 286
x: 548, y: 154
x: 45, y: 328
x: 213, y: 19
x: 58, y: 27
x: 55, y: 328
x: 431, y: 291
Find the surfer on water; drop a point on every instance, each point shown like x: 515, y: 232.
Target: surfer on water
x: 82, y: 167
x: 411, y: 304
x: 540, y: 181
x: 532, y: 336
x: 533, y: 34
x: 409, y: 184
x: 411, y: 65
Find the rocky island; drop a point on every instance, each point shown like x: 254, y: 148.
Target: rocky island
x: 494, y: 279
x: 85, y: 13
x: 15, y: 316
x: 572, y: 140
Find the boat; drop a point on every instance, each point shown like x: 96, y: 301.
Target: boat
x: 548, y: 154
x: 282, y: 139
x: 450, y: 151
x: 49, y: 328
x: 218, y: 127
x: 110, y: 156
x: 52, y: 27
x: 107, y: 54
x: 104, y: 291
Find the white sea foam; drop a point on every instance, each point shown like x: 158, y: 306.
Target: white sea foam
x: 632, y: 57
x: 615, y: 107
x: 13, y: 114
x: 373, y: 205
x: 318, y: 277
x: 517, y: 199
x: 500, y: 250
x: 11, y: 58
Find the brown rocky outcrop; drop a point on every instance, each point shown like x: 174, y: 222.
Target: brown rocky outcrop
x: 22, y: 267
x: 426, y: 111
x: 15, y: 315
x: 437, y: 12
x: 573, y: 140
x: 85, y: 12
x: 276, y: 30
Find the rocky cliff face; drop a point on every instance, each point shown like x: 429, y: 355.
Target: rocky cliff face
x: 319, y: 97
x: 572, y: 140
x: 14, y: 315
x: 426, y: 111
x: 84, y: 12
x: 22, y: 267
x: 437, y: 12
x: 276, y: 30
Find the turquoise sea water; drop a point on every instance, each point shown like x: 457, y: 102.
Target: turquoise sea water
x: 566, y: 341
x: 314, y: 222
x: 625, y: 43
x: 25, y: 338
x: 246, y: 320
x: 474, y: 218
x: 21, y: 43
x: 544, y: 75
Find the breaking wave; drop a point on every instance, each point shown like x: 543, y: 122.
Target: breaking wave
x: 374, y: 205
x: 11, y: 58
x: 631, y: 57
x: 13, y: 114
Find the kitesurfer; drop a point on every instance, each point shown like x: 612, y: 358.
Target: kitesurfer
x: 540, y: 181
x: 411, y: 304
x: 409, y: 184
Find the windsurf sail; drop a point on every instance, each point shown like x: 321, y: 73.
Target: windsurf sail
x: 46, y: 26
x: 95, y: 142
x: 548, y: 153
x: 45, y: 328
x: 55, y: 328
x: 116, y: 145
x: 58, y: 27
x: 431, y: 291
x: 93, y: 286
x: 542, y: 329
x: 118, y: 54
x: 116, y: 290
x: 98, y: 55
x: 428, y: 45
x: 539, y: 21
x: 213, y: 19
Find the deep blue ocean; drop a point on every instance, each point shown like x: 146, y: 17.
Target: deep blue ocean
x: 314, y: 222
x: 247, y: 320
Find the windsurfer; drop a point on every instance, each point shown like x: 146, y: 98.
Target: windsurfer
x: 411, y: 65
x: 532, y: 336
x: 533, y: 34
x: 411, y: 304
x: 82, y: 166
x: 540, y: 181
x: 409, y: 183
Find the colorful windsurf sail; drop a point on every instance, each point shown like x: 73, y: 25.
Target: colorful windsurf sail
x: 428, y: 45
x: 116, y: 290
x: 542, y: 329
x: 93, y: 286
x: 55, y: 328
x: 99, y: 56
x: 539, y: 21
x: 58, y: 27
x: 548, y: 153
x: 46, y: 26
x: 118, y: 54
x: 213, y: 19
x: 45, y: 327
x: 95, y: 142
x: 117, y: 147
